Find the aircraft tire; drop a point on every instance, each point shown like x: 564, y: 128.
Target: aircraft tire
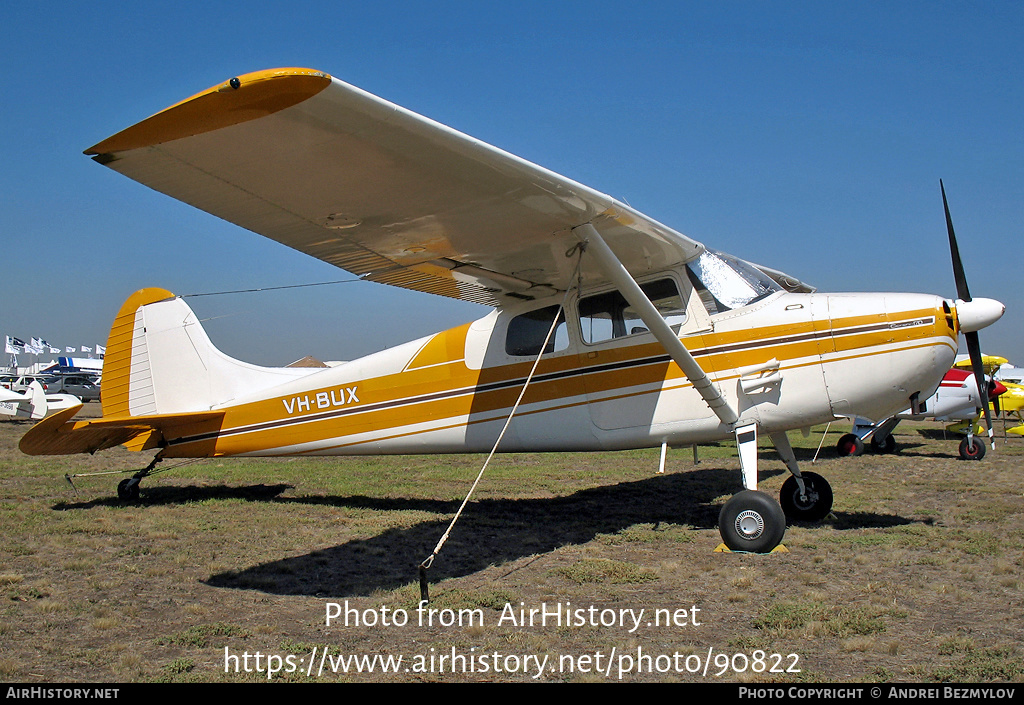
x: 128, y: 490
x: 886, y: 445
x: 969, y: 452
x: 850, y: 444
x: 816, y: 505
x: 752, y: 521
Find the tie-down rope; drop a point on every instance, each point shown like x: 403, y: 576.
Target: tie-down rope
x: 424, y: 590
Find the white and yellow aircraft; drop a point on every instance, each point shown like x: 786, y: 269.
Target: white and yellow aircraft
x: 641, y: 336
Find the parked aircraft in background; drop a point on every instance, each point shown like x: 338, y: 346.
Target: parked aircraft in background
x: 34, y: 402
x: 609, y: 330
x: 1009, y: 373
x: 957, y: 399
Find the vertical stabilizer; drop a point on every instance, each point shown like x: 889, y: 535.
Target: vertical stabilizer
x: 159, y: 360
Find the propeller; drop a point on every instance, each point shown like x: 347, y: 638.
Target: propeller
x: 972, y: 315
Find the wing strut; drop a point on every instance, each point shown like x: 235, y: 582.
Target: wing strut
x: 628, y: 287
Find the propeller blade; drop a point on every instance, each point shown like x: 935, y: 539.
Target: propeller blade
x: 962, y: 291
x: 964, y: 294
x: 974, y: 350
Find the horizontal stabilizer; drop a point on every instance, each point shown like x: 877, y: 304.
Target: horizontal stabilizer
x: 58, y: 435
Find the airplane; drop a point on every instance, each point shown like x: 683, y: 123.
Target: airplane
x: 956, y: 398
x: 609, y: 330
x: 1007, y: 397
x: 34, y: 403
x: 1011, y: 402
x: 1008, y: 373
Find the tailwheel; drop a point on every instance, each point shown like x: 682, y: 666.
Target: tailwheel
x: 972, y: 449
x: 752, y: 521
x: 816, y: 502
x: 850, y: 444
x: 128, y: 490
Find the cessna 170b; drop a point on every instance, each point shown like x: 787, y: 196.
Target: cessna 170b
x: 639, y: 336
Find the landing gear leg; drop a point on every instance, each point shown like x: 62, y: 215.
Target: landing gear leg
x: 751, y: 520
x: 128, y: 490
x: 882, y: 440
x: 805, y: 496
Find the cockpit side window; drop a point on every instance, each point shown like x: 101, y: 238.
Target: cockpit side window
x: 607, y: 316
x: 526, y: 332
x: 724, y: 282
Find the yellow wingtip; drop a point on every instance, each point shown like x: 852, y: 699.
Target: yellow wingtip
x: 239, y: 99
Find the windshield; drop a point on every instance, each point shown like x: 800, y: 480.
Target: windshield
x: 725, y: 282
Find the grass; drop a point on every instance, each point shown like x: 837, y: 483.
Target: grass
x: 919, y: 559
x: 997, y: 663
x: 817, y: 618
x: 602, y: 571
x: 201, y: 635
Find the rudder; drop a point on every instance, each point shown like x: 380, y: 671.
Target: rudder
x: 117, y: 362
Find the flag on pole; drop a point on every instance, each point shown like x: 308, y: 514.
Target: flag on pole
x: 68, y: 348
x: 53, y: 350
x: 87, y: 349
x: 101, y: 349
x: 14, y: 346
x: 35, y: 347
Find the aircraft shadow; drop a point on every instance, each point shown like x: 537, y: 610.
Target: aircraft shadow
x: 496, y: 531
x: 868, y: 520
x: 939, y: 434
x: 157, y: 496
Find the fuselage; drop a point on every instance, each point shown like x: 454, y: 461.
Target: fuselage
x: 785, y: 361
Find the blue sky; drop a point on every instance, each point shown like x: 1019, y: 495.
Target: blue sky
x: 810, y: 137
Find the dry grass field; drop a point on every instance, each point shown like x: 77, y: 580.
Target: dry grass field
x: 225, y: 570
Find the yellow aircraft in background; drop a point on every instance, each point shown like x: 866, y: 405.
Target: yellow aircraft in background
x: 609, y: 330
x: 1011, y: 401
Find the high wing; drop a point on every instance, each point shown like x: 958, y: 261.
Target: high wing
x: 380, y: 191
x: 990, y: 363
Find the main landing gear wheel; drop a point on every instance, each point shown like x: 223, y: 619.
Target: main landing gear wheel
x: 885, y: 445
x: 752, y: 521
x: 128, y: 490
x: 972, y: 449
x: 814, y: 505
x: 850, y: 444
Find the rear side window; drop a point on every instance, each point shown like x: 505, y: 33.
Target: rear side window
x: 526, y: 333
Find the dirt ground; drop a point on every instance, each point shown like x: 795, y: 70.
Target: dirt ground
x: 585, y: 567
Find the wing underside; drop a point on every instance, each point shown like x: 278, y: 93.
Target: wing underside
x: 377, y: 190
